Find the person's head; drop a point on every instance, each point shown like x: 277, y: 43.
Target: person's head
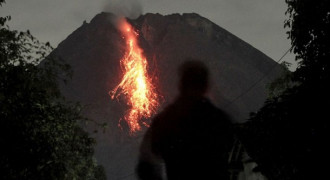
x: 194, y: 78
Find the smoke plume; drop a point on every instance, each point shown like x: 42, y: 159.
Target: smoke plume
x: 124, y: 8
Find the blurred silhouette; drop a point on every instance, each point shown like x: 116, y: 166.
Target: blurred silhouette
x: 191, y: 138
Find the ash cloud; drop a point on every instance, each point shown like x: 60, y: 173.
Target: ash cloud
x: 124, y: 8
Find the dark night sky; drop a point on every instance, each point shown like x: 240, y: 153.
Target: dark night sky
x: 258, y: 22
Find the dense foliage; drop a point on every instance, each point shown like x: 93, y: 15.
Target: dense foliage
x: 288, y: 136
x: 310, y: 37
x: 40, y: 133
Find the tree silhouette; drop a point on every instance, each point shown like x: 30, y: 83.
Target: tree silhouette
x: 287, y: 136
x: 40, y: 133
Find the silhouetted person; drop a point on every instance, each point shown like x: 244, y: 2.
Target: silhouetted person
x: 191, y: 136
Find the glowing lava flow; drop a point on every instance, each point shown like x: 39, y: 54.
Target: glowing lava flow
x: 135, y: 84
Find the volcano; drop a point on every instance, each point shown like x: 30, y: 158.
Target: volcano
x: 94, y: 51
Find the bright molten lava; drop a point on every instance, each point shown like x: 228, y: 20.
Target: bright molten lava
x: 135, y: 84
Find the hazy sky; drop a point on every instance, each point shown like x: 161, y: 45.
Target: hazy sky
x: 258, y: 22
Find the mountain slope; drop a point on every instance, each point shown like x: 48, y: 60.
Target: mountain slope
x: 94, y: 51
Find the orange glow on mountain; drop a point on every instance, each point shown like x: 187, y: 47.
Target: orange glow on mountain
x: 135, y: 85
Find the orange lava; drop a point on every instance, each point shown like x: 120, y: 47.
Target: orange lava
x: 135, y: 85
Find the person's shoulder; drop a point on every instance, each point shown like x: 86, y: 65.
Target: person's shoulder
x: 217, y: 112
x: 164, y: 114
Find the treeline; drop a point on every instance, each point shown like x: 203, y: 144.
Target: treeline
x: 41, y: 136
x: 288, y: 136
